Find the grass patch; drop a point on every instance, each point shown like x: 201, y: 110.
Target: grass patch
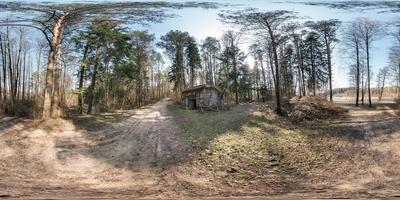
x: 99, y: 121
x: 262, y: 144
x: 251, y: 148
x: 202, y: 127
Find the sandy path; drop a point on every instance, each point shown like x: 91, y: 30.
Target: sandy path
x: 125, y: 157
x: 139, y: 156
x: 378, y: 131
x: 149, y: 137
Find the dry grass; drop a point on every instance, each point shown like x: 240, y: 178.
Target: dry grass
x: 249, y: 152
x: 237, y: 152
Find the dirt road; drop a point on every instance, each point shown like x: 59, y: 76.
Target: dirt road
x: 378, y: 131
x: 141, y: 153
x: 126, y: 156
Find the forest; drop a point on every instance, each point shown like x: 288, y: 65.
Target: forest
x: 93, y: 88
x: 105, y: 66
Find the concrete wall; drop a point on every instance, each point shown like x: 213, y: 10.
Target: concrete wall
x: 210, y: 97
x: 205, y: 97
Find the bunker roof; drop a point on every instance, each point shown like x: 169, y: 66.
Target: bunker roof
x: 200, y: 87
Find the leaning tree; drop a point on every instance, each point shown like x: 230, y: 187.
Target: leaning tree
x: 54, y: 20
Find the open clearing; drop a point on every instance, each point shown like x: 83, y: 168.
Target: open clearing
x: 165, y: 151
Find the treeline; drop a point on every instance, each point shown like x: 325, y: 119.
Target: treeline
x: 108, y: 67
x: 21, y: 72
x: 388, y: 92
x: 105, y: 66
x: 359, y: 36
x: 297, y: 56
x: 99, y: 69
x: 296, y: 62
x: 118, y: 68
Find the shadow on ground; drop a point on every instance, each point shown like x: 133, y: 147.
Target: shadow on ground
x: 164, y: 149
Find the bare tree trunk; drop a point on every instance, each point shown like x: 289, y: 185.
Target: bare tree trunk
x: 398, y: 84
x: 362, y: 87
x: 383, y: 85
x: 358, y: 72
x: 300, y: 69
x: 37, y: 85
x: 271, y: 64
x: 236, y: 81
x: 48, y: 88
x: 30, y: 78
x: 263, y: 71
x: 92, y: 86
x: 328, y: 52
x: 277, y: 76
x: 314, y: 77
x: 18, y: 67
x: 214, y: 66
x: 49, y: 82
x: 11, y: 72
x: 1, y: 88
x: 158, y: 81
x: 191, y: 76
x: 181, y: 73
x: 56, y: 98
x: 24, y: 76
x: 64, y: 85
x: 4, y: 62
x: 81, y: 77
x: 368, y: 71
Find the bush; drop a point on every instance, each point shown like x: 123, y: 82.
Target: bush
x: 23, y: 108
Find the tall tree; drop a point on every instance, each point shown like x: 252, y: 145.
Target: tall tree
x: 103, y: 33
x: 369, y: 32
x: 315, y: 62
x: 270, y: 23
x: 258, y: 54
x: 245, y: 82
x: 210, y: 49
x: 193, y: 58
x: 352, y: 39
x: 54, y: 19
x: 232, y: 58
x: 295, y: 34
x: 158, y: 62
x: 327, y: 29
x: 82, y: 41
x: 381, y: 79
x: 174, y: 45
x: 394, y: 60
x: 141, y: 47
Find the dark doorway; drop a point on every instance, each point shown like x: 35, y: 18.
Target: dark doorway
x: 193, y: 104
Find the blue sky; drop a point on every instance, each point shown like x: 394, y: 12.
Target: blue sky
x: 202, y: 23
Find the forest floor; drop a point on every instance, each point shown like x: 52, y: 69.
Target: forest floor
x: 164, y: 151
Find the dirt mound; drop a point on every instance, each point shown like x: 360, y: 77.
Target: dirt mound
x: 313, y: 108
